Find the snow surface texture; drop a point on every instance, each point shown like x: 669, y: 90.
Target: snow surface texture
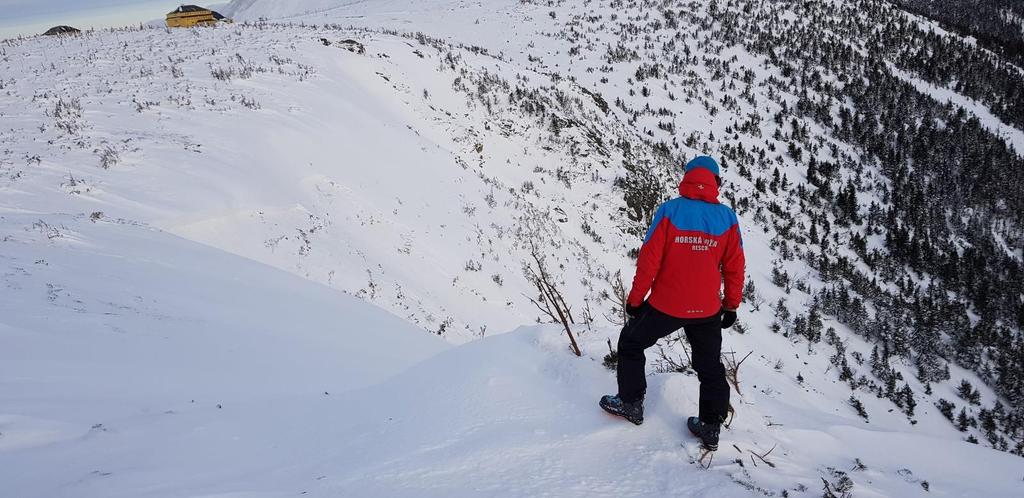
x: 152, y: 346
x: 133, y: 358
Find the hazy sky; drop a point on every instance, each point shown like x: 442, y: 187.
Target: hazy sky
x: 29, y: 17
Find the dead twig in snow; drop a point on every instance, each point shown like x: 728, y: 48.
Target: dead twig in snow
x: 764, y: 457
x: 732, y: 369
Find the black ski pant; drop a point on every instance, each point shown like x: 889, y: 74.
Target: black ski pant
x: 705, y: 338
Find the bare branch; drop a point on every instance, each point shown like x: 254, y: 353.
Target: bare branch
x: 732, y: 369
x: 618, y: 300
x: 550, y: 301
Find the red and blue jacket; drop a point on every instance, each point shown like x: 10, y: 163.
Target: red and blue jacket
x: 692, y: 246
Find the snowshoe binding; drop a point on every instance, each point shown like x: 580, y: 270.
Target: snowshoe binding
x: 633, y: 412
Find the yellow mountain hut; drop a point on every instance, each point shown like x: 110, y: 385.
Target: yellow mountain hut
x: 187, y: 16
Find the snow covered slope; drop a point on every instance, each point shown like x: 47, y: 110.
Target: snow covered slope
x: 516, y: 418
x: 412, y: 154
x: 371, y: 173
x: 131, y: 355
x: 336, y: 10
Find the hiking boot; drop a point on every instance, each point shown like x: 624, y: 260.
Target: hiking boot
x: 707, y: 433
x: 633, y: 412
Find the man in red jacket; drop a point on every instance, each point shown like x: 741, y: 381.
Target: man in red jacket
x: 693, y: 245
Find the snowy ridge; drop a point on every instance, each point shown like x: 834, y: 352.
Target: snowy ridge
x: 253, y: 10
x: 491, y: 430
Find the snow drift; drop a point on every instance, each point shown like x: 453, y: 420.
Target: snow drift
x: 133, y: 358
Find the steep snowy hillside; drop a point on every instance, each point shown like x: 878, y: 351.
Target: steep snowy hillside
x: 138, y: 363
x: 419, y: 156
x: 369, y: 172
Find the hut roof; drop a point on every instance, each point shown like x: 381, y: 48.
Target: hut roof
x: 188, y: 8
x: 61, y: 30
x: 195, y: 8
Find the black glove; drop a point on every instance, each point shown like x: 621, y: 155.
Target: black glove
x: 728, y: 318
x: 634, y: 311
